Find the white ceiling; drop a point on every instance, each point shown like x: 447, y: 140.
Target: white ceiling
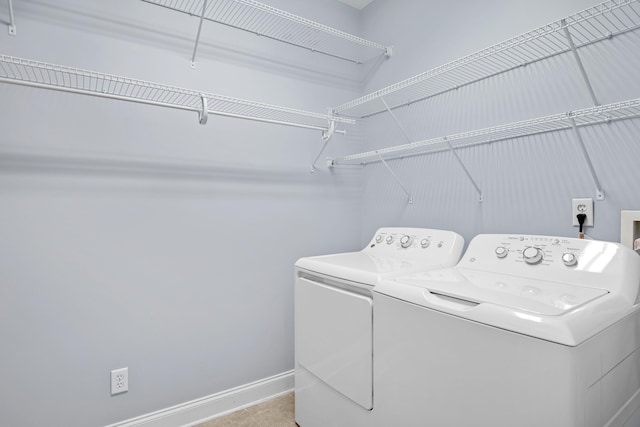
x: 358, y: 4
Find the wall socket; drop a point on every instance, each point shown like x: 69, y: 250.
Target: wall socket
x: 584, y: 206
x: 119, y: 381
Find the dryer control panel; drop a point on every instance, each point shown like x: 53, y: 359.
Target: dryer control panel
x: 589, y: 263
x: 417, y: 243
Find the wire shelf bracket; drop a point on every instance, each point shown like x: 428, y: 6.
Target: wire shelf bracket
x: 276, y: 24
x: 583, y: 72
x: 326, y: 137
x: 395, y: 119
x: 26, y: 72
x: 12, y: 23
x: 393, y: 174
x: 406, y: 135
x: 195, y: 47
x: 593, y: 25
x: 453, y: 151
x: 466, y: 171
x: 587, y: 158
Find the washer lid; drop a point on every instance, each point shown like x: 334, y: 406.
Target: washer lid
x: 557, y: 312
x: 361, y: 267
x: 534, y: 296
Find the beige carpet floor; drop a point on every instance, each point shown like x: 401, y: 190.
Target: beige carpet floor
x: 276, y: 412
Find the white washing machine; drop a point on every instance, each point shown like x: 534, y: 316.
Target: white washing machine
x: 526, y: 331
x: 334, y: 320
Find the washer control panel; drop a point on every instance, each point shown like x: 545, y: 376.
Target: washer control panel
x: 538, y: 250
x: 559, y: 259
x: 417, y: 243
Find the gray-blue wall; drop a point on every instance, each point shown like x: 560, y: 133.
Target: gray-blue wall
x: 130, y: 235
x: 527, y: 183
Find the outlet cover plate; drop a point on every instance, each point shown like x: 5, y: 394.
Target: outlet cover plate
x: 584, y: 206
x: 119, y: 381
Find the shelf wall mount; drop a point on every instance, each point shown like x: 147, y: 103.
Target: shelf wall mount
x: 195, y: 47
x: 326, y: 137
x: 393, y: 174
x: 466, y: 171
x: 587, y: 158
x: 12, y: 23
x: 583, y: 72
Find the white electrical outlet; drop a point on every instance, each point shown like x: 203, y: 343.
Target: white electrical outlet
x: 119, y: 381
x: 584, y: 206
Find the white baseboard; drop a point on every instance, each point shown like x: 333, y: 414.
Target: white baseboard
x: 206, y: 408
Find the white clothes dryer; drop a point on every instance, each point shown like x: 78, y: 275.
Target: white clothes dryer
x: 525, y: 331
x: 334, y: 320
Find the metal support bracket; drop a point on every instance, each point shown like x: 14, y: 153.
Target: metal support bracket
x: 326, y: 137
x: 579, y: 61
x: 395, y: 177
x: 12, y: 24
x: 406, y: 135
x: 203, y: 115
x: 466, y: 171
x: 576, y: 132
x: 313, y: 165
x: 195, y: 48
x: 395, y: 119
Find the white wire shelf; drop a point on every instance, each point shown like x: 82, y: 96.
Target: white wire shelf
x: 277, y: 24
x: 556, y: 122
x: 589, y: 26
x: 48, y: 76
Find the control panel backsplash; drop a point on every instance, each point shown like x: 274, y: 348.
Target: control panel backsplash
x: 417, y: 243
x: 591, y: 263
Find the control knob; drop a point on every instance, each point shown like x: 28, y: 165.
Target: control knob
x: 406, y: 241
x: 532, y: 255
x: 501, y: 252
x: 390, y: 239
x: 379, y: 238
x: 424, y: 243
x: 569, y: 259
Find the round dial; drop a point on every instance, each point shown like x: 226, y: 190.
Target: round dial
x: 424, y: 243
x: 406, y: 241
x: 569, y: 259
x: 501, y: 252
x: 379, y: 238
x: 390, y: 239
x: 532, y: 255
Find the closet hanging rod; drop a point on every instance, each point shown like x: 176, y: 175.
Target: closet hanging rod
x: 592, y: 25
x: 276, y: 24
x: 56, y: 77
x: 556, y: 122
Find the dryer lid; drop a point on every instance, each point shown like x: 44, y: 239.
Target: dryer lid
x: 361, y: 267
x: 391, y: 251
